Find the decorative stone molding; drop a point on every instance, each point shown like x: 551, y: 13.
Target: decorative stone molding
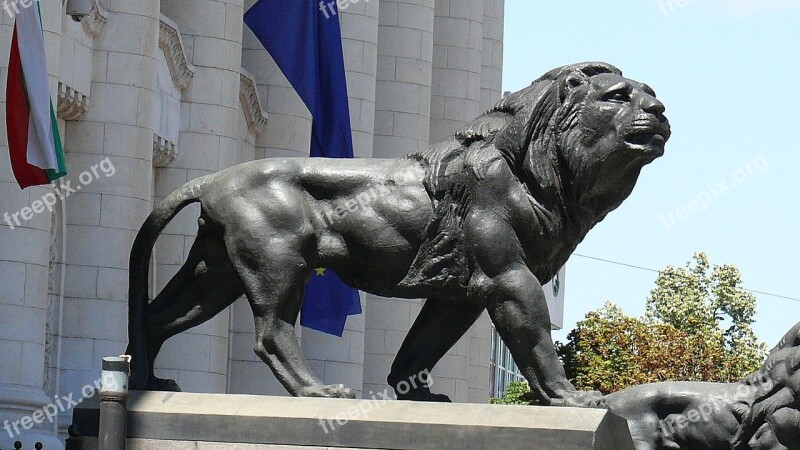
x: 169, y: 40
x: 251, y: 104
x: 71, y: 103
x: 164, y: 151
x: 93, y: 23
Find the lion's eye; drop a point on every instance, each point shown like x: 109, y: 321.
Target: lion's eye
x: 618, y: 96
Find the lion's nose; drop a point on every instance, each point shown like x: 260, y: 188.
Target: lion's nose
x: 653, y: 105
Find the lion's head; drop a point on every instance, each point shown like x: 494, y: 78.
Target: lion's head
x: 579, y: 134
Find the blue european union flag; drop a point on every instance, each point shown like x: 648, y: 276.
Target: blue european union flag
x: 307, y: 46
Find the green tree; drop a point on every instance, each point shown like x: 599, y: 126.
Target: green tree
x: 517, y: 393
x: 706, y: 301
x: 698, y: 327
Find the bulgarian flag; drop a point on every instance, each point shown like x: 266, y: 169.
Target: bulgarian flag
x: 37, y: 156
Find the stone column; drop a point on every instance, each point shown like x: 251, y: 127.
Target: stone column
x: 24, y: 271
x: 492, y: 55
x: 457, y: 46
x: 403, y: 91
x: 104, y: 215
x: 198, y: 359
x: 402, y: 125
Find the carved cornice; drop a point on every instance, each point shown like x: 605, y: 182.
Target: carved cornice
x: 164, y: 151
x: 71, y: 103
x: 169, y: 40
x: 251, y: 104
x: 93, y: 23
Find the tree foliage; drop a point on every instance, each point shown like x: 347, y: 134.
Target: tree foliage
x: 697, y: 327
x: 709, y: 302
x: 517, y: 393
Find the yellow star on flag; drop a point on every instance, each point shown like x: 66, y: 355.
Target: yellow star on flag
x: 320, y: 271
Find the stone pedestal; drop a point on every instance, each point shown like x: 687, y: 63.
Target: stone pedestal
x: 160, y: 420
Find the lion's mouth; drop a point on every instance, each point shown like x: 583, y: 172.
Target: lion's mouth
x: 646, y: 135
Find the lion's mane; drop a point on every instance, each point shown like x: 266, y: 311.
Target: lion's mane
x: 525, y: 128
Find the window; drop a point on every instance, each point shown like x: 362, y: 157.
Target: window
x: 503, y: 369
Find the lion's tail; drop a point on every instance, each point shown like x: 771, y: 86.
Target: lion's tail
x: 141, y: 253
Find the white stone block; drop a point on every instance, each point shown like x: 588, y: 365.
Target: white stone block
x: 207, y: 20
x: 130, y: 70
x: 403, y: 43
x: 37, y: 252
x: 388, y: 15
x: 186, y: 351
x: 123, y: 212
x: 376, y: 368
x: 76, y: 354
x: 416, y: 15
x: 95, y: 319
x: 414, y: 71
x: 168, y: 179
x: 219, y: 355
x: 81, y: 282
x: 11, y: 369
x: 12, y: 285
x: 216, y: 53
x: 84, y: 136
x: 124, y: 140
x: 123, y: 35
x: 99, y: 246
x: 22, y: 323
x: 36, y: 286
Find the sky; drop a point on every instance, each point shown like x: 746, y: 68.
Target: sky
x: 728, y: 73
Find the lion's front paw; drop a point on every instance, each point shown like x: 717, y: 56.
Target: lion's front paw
x: 424, y: 395
x: 580, y: 399
x: 328, y: 391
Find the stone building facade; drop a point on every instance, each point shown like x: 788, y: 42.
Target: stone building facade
x: 169, y: 90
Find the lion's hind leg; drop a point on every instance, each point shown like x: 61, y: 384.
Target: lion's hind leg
x: 204, y: 286
x: 274, y: 273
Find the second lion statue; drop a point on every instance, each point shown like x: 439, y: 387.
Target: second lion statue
x: 477, y: 222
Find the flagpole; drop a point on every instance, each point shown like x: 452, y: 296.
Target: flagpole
x: 61, y: 297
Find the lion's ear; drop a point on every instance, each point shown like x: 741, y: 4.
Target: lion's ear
x: 569, y: 83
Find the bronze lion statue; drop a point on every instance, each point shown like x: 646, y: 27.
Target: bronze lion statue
x: 477, y: 222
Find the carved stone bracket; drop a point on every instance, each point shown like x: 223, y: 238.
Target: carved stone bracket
x: 71, y: 103
x: 93, y: 23
x: 169, y: 40
x: 251, y: 104
x: 164, y: 151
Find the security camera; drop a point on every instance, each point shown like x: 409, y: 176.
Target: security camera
x: 78, y: 9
